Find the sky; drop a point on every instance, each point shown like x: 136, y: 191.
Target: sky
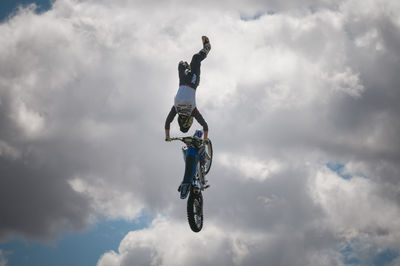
x: 301, y: 99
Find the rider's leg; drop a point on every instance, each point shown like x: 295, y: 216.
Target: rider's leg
x: 200, y: 56
x: 195, y: 64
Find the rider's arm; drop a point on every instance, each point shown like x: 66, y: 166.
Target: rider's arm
x: 206, y: 134
x: 196, y: 62
x: 201, y: 121
x: 169, y: 119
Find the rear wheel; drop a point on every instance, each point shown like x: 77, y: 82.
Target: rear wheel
x: 195, y: 211
x: 209, y: 156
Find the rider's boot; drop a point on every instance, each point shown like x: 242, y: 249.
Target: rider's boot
x: 206, y: 45
x: 184, y: 189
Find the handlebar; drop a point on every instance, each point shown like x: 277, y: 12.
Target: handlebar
x: 191, y: 141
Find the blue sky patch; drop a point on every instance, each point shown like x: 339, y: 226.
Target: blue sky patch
x: 349, y: 257
x: 338, y: 168
x: 258, y: 15
x: 386, y: 257
x: 8, y: 7
x: 78, y: 249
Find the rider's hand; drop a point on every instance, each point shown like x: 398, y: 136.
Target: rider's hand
x: 167, y: 138
x: 204, y: 141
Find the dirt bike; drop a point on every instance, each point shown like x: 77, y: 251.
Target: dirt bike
x: 197, y: 155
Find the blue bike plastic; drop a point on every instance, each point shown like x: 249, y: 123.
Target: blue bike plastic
x: 197, y: 155
x: 192, y: 154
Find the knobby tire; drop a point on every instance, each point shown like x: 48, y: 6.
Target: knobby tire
x: 195, y: 211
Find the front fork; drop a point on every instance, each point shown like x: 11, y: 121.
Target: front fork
x: 194, y: 171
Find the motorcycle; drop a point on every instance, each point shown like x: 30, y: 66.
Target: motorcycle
x: 197, y: 155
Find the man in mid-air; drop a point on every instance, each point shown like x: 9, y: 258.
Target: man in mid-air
x: 185, y: 99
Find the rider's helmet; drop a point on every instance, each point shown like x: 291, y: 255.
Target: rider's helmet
x: 198, y: 134
x: 185, y: 118
x: 185, y: 122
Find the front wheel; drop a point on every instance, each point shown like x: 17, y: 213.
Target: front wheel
x: 208, y: 156
x: 195, y: 211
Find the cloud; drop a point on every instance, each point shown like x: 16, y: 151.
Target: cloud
x: 3, y: 260
x: 287, y: 88
x: 168, y: 242
x: 351, y: 209
x: 162, y: 242
x: 282, y: 230
x: 250, y: 167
